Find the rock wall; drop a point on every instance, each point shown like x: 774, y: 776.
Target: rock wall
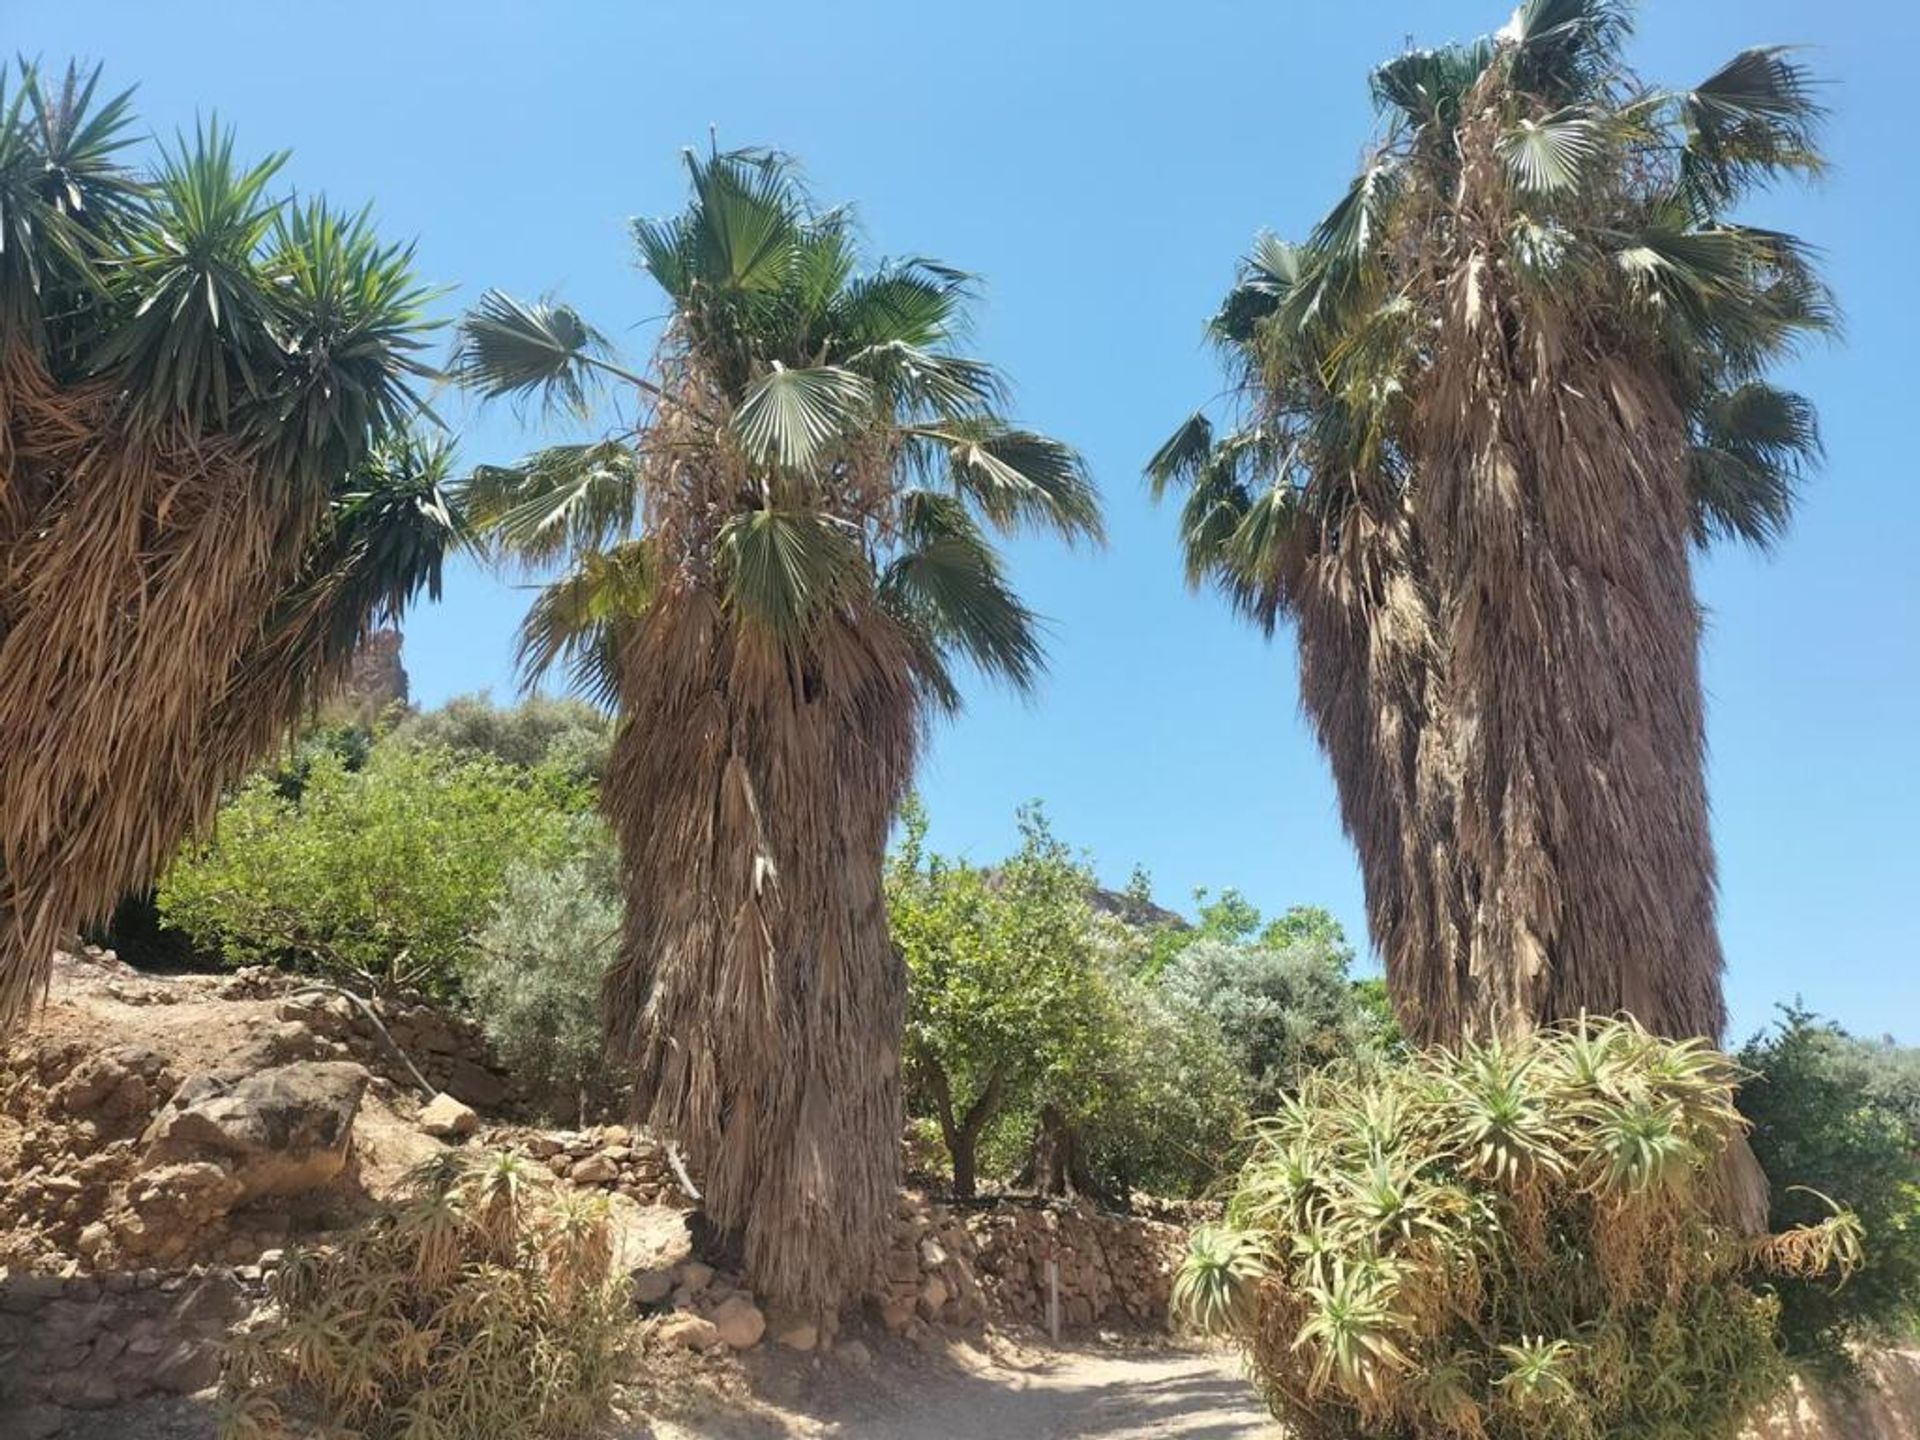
x: 87, y: 1343
x: 955, y: 1266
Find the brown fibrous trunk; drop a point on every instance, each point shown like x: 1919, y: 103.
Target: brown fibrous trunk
x: 756, y: 993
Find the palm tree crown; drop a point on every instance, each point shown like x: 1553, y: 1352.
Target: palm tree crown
x: 806, y: 432
x: 208, y: 488
x: 1612, y: 213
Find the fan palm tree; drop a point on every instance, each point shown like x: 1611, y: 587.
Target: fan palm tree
x: 1487, y: 410
x: 208, y: 491
x: 772, y: 567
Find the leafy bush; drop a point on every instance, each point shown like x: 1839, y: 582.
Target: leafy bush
x: 1285, y: 1005
x: 1835, y: 1115
x: 567, y: 736
x: 1158, y: 1101
x: 481, y: 1306
x: 379, y: 875
x: 534, y: 979
x: 1514, y: 1242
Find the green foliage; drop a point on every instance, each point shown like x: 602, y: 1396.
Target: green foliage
x: 1835, y: 1115
x: 379, y: 875
x: 1284, y: 1003
x: 535, y: 975
x: 1156, y: 1099
x: 481, y: 1305
x: 1511, y: 1242
x: 566, y: 736
x: 1004, y: 987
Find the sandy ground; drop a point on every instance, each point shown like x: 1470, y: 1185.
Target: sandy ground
x: 1078, y: 1393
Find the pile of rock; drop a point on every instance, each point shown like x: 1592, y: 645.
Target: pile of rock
x: 605, y: 1157
x: 448, y: 1050
x: 955, y: 1267
x: 84, y: 1343
x: 81, y: 1113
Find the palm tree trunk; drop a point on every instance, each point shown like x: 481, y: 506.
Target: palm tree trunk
x: 1510, y: 687
x: 756, y: 991
x: 125, y: 603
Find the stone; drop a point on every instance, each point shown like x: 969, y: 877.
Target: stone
x: 740, y: 1323
x: 594, y: 1170
x: 693, y: 1276
x: 169, y: 1206
x: 896, y: 1314
x: 801, y: 1335
x: 854, y: 1353
x: 447, y: 1117
x: 650, y: 1287
x: 933, y: 1296
x: 34, y: 1422
x: 281, y: 1131
x: 932, y: 1255
x: 190, y: 1366
x: 475, y: 1084
x: 689, y: 1332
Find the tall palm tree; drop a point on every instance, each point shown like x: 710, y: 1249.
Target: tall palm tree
x: 1488, y: 409
x: 208, y: 491
x: 772, y: 567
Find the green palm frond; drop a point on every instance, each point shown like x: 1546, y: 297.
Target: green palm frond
x: 1752, y: 446
x: 950, y: 579
x: 1753, y: 119
x: 1551, y: 156
x: 1018, y: 477
x: 513, y: 348
x: 794, y: 418
x: 745, y: 219
x: 1426, y: 87
x: 560, y: 501
x: 782, y: 568
x: 576, y: 620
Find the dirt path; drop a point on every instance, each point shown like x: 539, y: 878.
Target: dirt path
x: 1084, y: 1394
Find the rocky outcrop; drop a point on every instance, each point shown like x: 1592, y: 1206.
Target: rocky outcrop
x: 283, y: 1131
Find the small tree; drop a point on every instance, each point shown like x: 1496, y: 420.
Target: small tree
x: 1836, y: 1119
x: 567, y: 736
x: 1002, y: 984
x: 1285, y: 1003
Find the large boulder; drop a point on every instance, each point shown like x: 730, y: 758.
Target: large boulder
x: 282, y: 1131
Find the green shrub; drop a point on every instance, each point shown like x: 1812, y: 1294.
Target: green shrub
x: 1835, y: 1115
x: 379, y: 875
x: 1516, y: 1242
x: 1159, y: 1101
x: 483, y: 1305
x: 534, y: 978
x: 567, y: 736
x: 1285, y: 1005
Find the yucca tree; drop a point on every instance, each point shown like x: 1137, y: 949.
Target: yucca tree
x: 1489, y: 408
x: 772, y: 568
x: 208, y: 490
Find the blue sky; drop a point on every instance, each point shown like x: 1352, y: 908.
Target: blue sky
x: 1101, y: 167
